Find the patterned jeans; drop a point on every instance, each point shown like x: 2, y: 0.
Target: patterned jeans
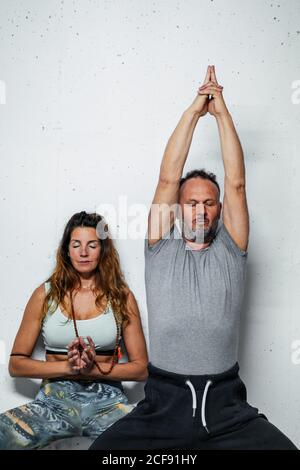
x: 63, y: 408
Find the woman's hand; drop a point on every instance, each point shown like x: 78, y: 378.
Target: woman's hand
x: 74, y: 355
x: 81, y: 356
x: 216, y: 104
x: 88, y: 355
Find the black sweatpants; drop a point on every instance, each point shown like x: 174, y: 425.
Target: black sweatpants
x: 193, y: 412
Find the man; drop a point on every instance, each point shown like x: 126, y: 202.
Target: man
x: 195, y: 280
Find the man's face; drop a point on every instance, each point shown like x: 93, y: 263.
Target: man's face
x: 201, y: 209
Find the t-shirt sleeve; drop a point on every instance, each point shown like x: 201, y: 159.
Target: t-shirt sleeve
x: 150, y: 250
x: 226, y: 238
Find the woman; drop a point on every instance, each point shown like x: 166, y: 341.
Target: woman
x: 83, y: 311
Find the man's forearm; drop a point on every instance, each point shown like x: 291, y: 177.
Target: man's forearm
x: 178, y: 146
x: 232, y: 152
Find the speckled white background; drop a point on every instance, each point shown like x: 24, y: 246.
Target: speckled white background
x: 90, y: 91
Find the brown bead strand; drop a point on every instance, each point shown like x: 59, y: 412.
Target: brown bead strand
x: 116, y: 353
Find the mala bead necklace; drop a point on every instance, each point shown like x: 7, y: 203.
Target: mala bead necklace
x: 117, y: 349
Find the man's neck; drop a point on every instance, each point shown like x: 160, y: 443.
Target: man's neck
x: 196, y: 246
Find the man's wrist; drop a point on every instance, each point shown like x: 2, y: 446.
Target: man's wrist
x: 192, y: 113
x: 224, y: 117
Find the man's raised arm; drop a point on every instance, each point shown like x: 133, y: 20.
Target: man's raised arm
x: 235, y: 210
x: 161, y: 218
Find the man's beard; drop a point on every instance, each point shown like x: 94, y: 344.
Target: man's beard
x: 200, y: 234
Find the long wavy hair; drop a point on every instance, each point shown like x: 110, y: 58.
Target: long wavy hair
x: 108, y: 277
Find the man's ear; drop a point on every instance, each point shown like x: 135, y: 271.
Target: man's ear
x: 221, y: 206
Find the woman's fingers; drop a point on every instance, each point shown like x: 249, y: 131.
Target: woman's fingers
x: 73, y: 353
x: 84, y: 359
x: 82, y: 343
x: 72, y: 344
x: 88, y: 355
x: 85, y: 363
x: 91, y: 348
x: 91, y: 354
x: 78, y: 362
x: 91, y: 342
x: 74, y: 362
x: 74, y: 359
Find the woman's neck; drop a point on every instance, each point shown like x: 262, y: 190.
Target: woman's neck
x: 87, y: 280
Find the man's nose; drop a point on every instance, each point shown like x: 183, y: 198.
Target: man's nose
x: 200, y: 209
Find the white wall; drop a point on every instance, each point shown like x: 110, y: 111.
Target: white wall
x: 90, y: 91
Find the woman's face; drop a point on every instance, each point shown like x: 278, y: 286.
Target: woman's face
x: 84, y: 249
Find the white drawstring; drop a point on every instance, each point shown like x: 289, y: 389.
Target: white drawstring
x: 208, y: 383
x: 189, y: 383
x: 194, y: 405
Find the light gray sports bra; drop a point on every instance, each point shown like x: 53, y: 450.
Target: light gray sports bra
x: 58, y: 331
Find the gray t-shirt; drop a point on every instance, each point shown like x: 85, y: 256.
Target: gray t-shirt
x: 194, y: 301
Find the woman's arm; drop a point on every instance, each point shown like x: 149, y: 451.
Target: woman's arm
x: 136, y: 367
x: 29, y: 330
